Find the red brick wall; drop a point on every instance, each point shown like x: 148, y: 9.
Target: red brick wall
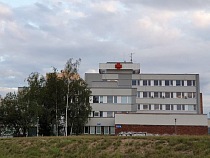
x: 161, y: 129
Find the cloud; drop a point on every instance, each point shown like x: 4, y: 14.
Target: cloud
x: 165, y: 37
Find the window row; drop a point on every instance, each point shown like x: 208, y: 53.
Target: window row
x: 111, y: 99
x: 183, y: 95
x: 105, y: 113
x: 163, y: 83
x: 179, y: 107
x: 99, y: 130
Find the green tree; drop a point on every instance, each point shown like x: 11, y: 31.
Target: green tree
x: 78, y: 106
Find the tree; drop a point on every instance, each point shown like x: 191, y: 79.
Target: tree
x: 78, y: 106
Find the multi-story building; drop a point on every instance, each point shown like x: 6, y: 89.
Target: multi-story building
x: 124, y: 100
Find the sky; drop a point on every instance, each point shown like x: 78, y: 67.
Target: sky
x: 170, y: 36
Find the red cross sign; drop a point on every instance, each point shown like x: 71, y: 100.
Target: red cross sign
x: 118, y: 66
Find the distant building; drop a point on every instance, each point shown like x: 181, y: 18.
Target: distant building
x: 124, y: 100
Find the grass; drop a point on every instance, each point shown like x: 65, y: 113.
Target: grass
x: 106, y: 147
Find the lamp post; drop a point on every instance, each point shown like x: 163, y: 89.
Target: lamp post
x: 37, y: 127
x: 67, y: 105
x: 175, y: 126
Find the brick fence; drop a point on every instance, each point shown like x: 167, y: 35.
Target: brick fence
x: 163, y: 129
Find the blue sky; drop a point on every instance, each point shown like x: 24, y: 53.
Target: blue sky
x: 165, y: 37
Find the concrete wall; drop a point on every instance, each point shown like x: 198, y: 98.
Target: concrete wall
x: 161, y: 119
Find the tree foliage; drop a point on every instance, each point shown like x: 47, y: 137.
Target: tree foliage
x: 44, y: 101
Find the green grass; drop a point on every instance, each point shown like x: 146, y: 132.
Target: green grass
x: 106, y: 147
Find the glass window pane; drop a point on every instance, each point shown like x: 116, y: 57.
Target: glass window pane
x: 144, y: 82
x: 167, y: 106
x: 101, y: 99
x: 133, y: 82
x: 129, y: 100
x: 98, y: 129
x: 178, y: 107
x: 155, y: 82
x: 115, y: 99
x: 92, y: 130
x: 166, y: 82
x: 189, y: 82
x: 178, y: 83
x: 109, y: 99
x: 155, y: 94
x: 110, y: 114
x: 156, y: 107
x: 145, y: 107
x: 95, y: 99
x: 178, y: 94
x: 112, y: 130
x: 106, y: 130
x: 124, y: 99
x: 167, y: 94
x: 86, y: 130
x: 144, y: 94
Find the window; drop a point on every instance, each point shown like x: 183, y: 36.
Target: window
x: 194, y: 95
x: 109, y: 99
x: 167, y: 94
x: 123, y: 99
x: 112, y: 130
x: 157, y: 82
x: 178, y: 107
x: 167, y: 106
x: 193, y: 82
x: 139, y: 107
x: 178, y: 95
x: 183, y: 107
x: 144, y: 94
x: 98, y: 129
x: 189, y: 82
x: 96, y: 114
x: 138, y: 94
x: 95, y: 99
x: 172, y: 95
x: 146, y: 82
x: 190, y: 95
x: 86, y: 130
x: 145, y: 107
x: 156, y: 107
x: 101, y: 99
x: 178, y: 83
x: 182, y: 83
x: 129, y: 100
x: 110, y: 114
x: 115, y: 99
x: 92, y: 130
x: 155, y: 94
x: 106, y: 130
x: 168, y: 82
x: 101, y: 113
x: 133, y: 82
x: 190, y: 108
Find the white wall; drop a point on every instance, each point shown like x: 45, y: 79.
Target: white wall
x: 161, y: 119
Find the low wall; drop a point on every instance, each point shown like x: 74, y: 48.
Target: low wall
x: 161, y: 129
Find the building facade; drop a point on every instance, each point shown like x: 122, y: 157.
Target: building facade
x: 125, y: 100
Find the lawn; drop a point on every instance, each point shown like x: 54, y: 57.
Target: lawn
x: 106, y: 146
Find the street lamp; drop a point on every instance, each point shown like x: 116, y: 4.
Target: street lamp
x: 175, y: 126
x: 67, y: 105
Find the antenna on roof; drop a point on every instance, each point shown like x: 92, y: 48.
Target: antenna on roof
x: 131, y: 57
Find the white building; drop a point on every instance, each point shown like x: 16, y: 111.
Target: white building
x: 124, y: 100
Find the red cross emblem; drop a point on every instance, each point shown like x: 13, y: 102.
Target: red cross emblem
x: 118, y: 66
